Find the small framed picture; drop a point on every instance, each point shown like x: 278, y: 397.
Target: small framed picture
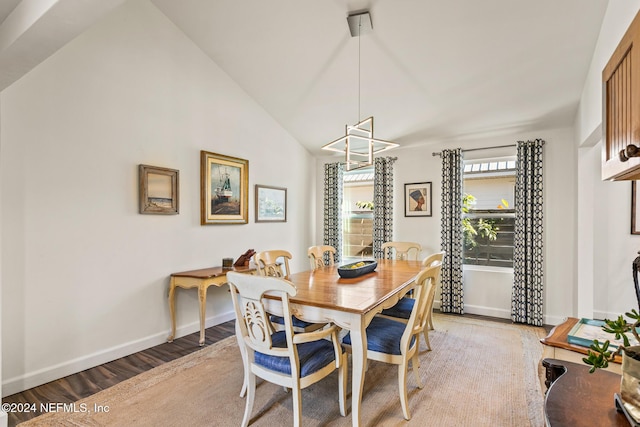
x: 271, y: 204
x: 417, y: 199
x: 158, y: 189
x: 224, y: 189
x: 635, y: 209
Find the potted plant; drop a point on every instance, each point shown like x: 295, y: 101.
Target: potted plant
x: 599, y: 356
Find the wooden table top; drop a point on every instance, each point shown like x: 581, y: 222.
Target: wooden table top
x: 211, y: 272
x: 578, y: 398
x: 558, y: 338
x: 325, y: 288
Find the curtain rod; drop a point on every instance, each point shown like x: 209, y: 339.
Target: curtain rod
x: 439, y: 153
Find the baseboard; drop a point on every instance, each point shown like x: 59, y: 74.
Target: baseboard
x: 33, y: 379
x: 604, y: 315
x: 554, y: 320
x: 487, y: 311
x: 501, y: 313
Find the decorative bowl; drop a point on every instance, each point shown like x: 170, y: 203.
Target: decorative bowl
x: 356, y: 269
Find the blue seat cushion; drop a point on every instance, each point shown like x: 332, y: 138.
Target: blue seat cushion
x: 402, y: 309
x: 296, y: 322
x: 383, y: 335
x: 313, y: 356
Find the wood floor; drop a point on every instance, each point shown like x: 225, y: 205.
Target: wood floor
x: 85, y: 383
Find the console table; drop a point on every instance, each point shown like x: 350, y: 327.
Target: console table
x: 200, y: 279
x: 577, y: 398
x: 556, y: 346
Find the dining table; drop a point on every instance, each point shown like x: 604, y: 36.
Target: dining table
x: 351, y: 303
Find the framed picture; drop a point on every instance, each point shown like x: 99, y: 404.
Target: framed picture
x: 224, y: 189
x: 417, y: 199
x: 635, y: 209
x: 158, y: 190
x: 271, y: 204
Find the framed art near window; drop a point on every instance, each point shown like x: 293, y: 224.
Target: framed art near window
x: 271, y: 204
x: 158, y: 190
x: 417, y: 199
x: 635, y: 209
x: 224, y: 189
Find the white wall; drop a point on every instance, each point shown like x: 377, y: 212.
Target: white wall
x: 485, y: 292
x: 84, y: 276
x: 606, y: 247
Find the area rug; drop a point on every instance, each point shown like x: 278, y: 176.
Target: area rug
x: 479, y: 373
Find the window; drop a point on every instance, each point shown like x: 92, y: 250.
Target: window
x: 488, y: 212
x: 357, y: 227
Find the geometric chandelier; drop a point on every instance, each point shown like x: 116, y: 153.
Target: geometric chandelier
x: 358, y: 143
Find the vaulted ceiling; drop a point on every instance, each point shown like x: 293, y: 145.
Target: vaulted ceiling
x: 430, y: 71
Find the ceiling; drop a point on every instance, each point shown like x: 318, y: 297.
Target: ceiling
x: 6, y: 6
x: 430, y: 71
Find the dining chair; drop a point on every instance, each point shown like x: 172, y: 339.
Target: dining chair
x: 401, y: 250
x: 402, y: 310
x: 270, y: 264
x: 317, y: 254
x: 427, y: 262
x: 395, y: 342
x: 286, y: 358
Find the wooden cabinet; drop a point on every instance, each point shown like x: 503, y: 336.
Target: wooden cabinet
x: 358, y: 235
x: 621, y: 108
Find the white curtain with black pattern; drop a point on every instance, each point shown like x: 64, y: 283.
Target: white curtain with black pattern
x: 333, y: 185
x: 527, y: 297
x: 452, y: 297
x: 383, y: 203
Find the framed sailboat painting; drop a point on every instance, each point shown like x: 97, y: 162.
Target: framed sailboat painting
x: 224, y: 189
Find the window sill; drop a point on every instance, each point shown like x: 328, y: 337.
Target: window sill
x: 490, y: 268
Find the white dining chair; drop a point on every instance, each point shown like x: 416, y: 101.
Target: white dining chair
x: 401, y: 250
x: 286, y: 358
x: 270, y: 264
x: 402, y: 310
x: 317, y: 255
x: 392, y: 341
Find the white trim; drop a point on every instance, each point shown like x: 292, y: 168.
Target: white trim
x: 553, y: 320
x: 481, y: 311
x: 506, y: 314
x: 33, y: 379
x: 487, y: 311
x: 4, y: 419
x: 604, y: 315
x: 491, y: 268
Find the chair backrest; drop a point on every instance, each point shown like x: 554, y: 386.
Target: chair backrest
x: 316, y: 256
x: 253, y: 320
x: 401, y: 250
x: 270, y: 263
x: 431, y: 259
x: 425, y: 283
x: 438, y: 256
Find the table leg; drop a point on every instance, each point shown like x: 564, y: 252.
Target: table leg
x: 172, y: 310
x: 359, y: 363
x: 202, y: 296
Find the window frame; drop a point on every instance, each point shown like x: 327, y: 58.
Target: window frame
x: 477, y: 169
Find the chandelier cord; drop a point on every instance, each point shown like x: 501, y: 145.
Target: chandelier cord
x: 358, y: 144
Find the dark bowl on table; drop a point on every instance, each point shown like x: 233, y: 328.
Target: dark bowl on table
x: 356, y: 269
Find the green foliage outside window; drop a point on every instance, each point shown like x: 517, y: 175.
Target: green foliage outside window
x: 482, y: 228
x: 487, y: 234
